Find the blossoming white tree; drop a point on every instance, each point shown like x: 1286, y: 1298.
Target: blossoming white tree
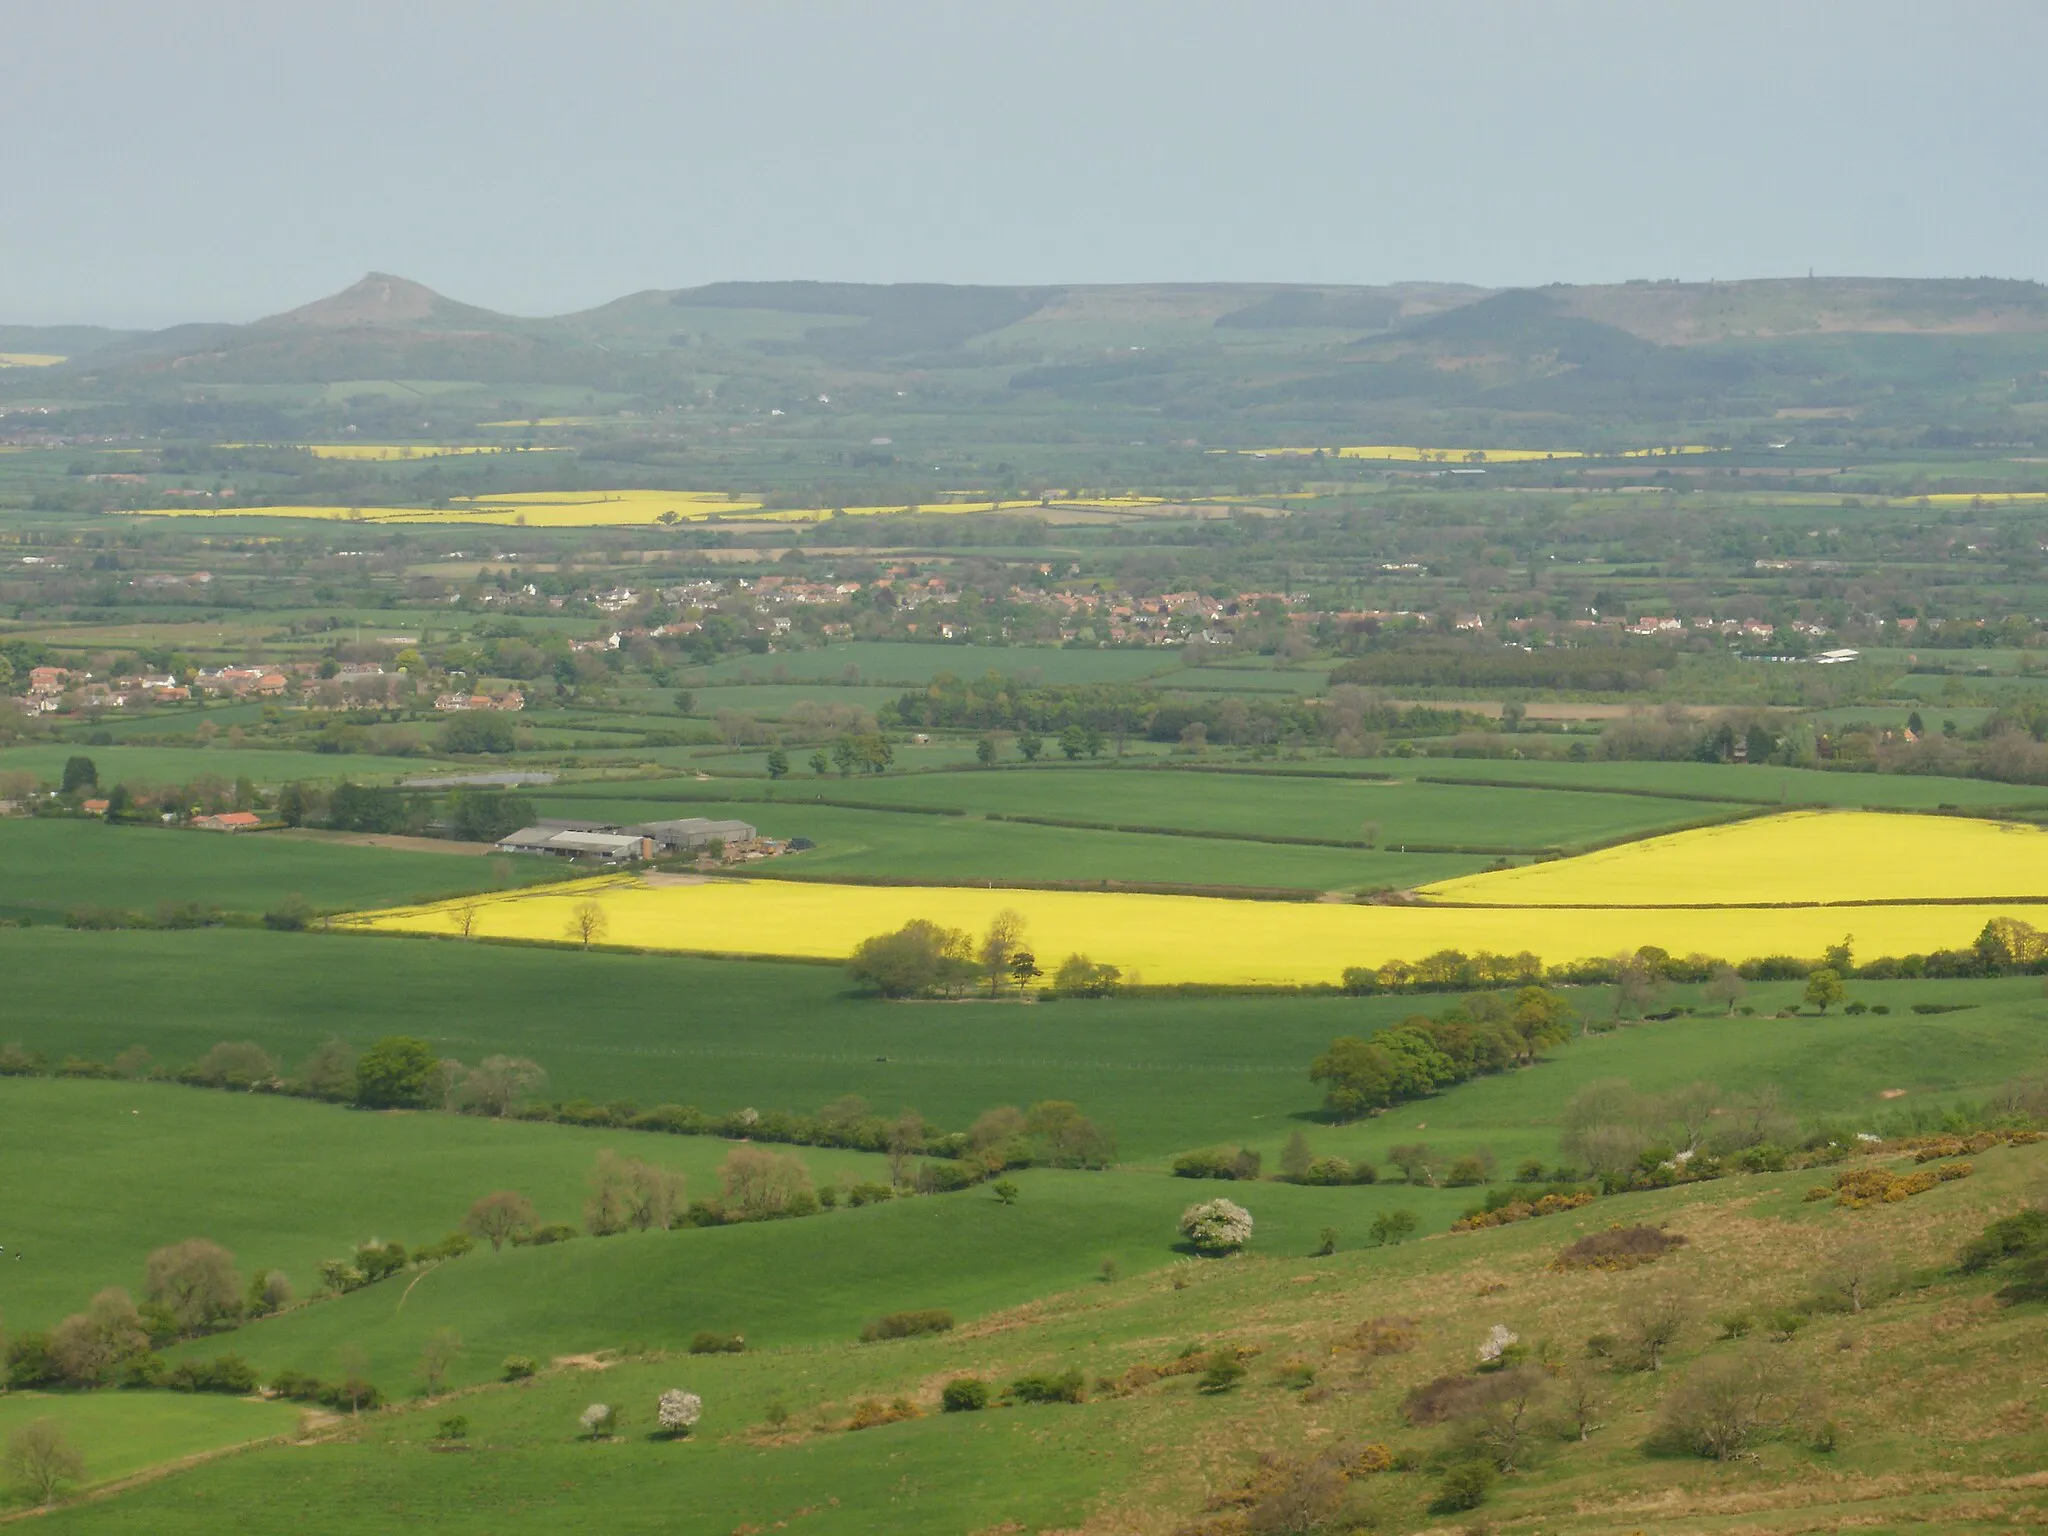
x: 1498, y: 1341
x: 598, y: 1421
x: 677, y: 1411
x: 1217, y: 1226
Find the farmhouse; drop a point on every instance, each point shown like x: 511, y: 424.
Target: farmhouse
x: 229, y: 821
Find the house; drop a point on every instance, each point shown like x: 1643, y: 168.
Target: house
x: 229, y: 821
x: 94, y: 807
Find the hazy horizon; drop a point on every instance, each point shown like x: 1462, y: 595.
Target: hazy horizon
x: 231, y: 161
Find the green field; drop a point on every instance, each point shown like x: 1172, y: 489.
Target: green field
x: 1346, y: 809
x: 282, y: 1182
x: 912, y: 664
x: 268, y: 766
x: 854, y: 843
x: 1761, y: 783
x: 123, y: 1433
x: 50, y: 866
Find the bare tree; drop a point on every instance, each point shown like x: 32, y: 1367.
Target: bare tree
x: 588, y: 924
x: 355, y: 1376
x: 758, y: 1182
x: 87, y: 1345
x: 1653, y: 1321
x: 42, y: 1460
x: 1725, y: 1406
x: 195, y: 1281
x: 999, y: 946
x: 496, y: 1217
x: 627, y: 1192
x: 436, y: 1356
x: 499, y: 1082
x: 1725, y: 985
x: 1689, y: 1111
x: 1580, y: 1402
x: 462, y: 916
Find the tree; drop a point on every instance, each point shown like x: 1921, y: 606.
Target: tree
x: 819, y: 763
x: 1357, y: 1076
x: 41, y: 1460
x: 1824, y: 987
x: 999, y: 946
x: 1073, y: 742
x: 1723, y: 1407
x: 88, y: 1346
x: 1295, y: 1158
x: 1024, y: 969
x: 1078, y: 976
x: 1416, y: 1161
x: 477, y: 731
x: 587, y: 923
x: 499, y: 1082
x: 919, y: 959
x: 330, y: 1072
x: 985, y: 751
x: 79, y: 774
x: 1066, y: 1138
x: 269, y: 1291
x: 759, y: 1183
x: 677, y: 1411
x: 1653, y: 1322
x: 1636, y: 986
x: 397, y: 1072
x: 1030, y: 745
x: 778, y: 764
x: 498, y: 1216
x: 1725, y: 985
x: 436, y: 1355
x: 1216, y: 1226
x: 196, y: 1282
x: 462, y: 917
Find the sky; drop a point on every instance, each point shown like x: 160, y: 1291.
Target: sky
x: 223, y: 161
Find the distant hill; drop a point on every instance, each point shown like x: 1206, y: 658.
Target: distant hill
x: 1243, y: 360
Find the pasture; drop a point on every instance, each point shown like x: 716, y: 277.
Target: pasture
x: 123, y: 1433
x: 101, y: 1173
x: 135, y: 766
x: 51, y: 866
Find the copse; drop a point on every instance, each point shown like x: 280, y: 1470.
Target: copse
x: 195, y: 1282
x: 1478, y: 1035
x: 920, y: 959
x: 398, y: 1072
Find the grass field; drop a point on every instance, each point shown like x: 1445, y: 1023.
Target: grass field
x: 905, y: 846
x: 127, y: 1167
x: 181, y: 765
x: 1182, y: 938
x: 49, y: 867
x: 1759, y: 784
x: 912, y: 664
x: 1388, y: 813
x: 123, y: 1433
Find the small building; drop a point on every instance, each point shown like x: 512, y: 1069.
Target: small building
x: 229, y: 821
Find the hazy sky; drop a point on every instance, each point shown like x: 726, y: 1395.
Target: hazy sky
x: 211, y: 160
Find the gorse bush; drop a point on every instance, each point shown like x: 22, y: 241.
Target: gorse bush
x: 907, y: 1325
x: 1047, y: 1387
x: 964, y: 1394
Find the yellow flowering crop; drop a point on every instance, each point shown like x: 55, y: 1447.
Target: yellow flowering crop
x: 30, y: 359
x: 1803, y: 856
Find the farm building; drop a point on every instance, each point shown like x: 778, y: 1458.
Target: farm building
x: 579, y: 840
x: 693, y: 832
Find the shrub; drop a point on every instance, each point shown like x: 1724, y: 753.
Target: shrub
x: 540, y: 1237
x: 908, y: 1325
x: 964, y: 1394
x: 1723, y: 1409
x: 517, y: 1368
x: 454, y: 1427
x: 1216, y: 1226
x: 871, y: 1413
x: 225, y: 1373
x: 1223, y: 1373
x: 1392, y: 1227
x: 677, y: 1411
x: 1218, y: 1163
x: 1047, y: 1388
x: 707, y: 1343
x: 1619, y: 1248
x: 1462, y: 1487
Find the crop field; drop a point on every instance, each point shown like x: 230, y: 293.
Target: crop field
x: 1804, y: 857
x: 1760, y: 784
x: 1388, y: 813
x: 1167, y: 939
x: 135, y: 766
x: 860, y: 843
x: 49, y: 867
x: 915, y: 663
x: 29, y: 359
x: 129, y: 1432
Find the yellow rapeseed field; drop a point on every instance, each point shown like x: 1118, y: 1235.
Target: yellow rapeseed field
x: 30, y: 359
x: 608, y: 509
x: 1199, y: 939
x: 1400, y: 453
x: 1803, y: 856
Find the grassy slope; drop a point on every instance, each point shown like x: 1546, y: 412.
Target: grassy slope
x: 51, y: 866
x: 122, y: 1168
x: 1930, y: 1393
x: 123, y: 1433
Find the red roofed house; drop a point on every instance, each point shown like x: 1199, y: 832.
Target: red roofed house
x: 229, y: 821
